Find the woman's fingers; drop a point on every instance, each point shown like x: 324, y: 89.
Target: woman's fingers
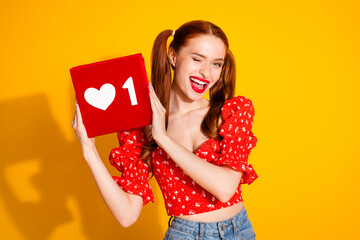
x: 77, y: 113
x: 77, y: 122
x: 74, y: 121
x: 158, y: 116
x: 151, y: 97
x: 80, y: 130
x: 156, y: 104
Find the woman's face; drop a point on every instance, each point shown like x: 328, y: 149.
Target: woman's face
x: 197, y: 65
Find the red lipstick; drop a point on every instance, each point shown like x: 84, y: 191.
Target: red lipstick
x: 199, y: 85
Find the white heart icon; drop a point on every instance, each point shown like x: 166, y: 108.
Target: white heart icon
x: 100, y: 98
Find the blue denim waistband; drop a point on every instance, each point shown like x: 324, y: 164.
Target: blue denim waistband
x: 211, y: 228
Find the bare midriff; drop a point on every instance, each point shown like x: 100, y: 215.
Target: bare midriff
x: 216, y: 215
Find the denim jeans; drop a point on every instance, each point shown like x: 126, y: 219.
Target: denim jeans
x: 237, y: 227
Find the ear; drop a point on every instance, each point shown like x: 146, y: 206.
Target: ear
x: 172, y: 56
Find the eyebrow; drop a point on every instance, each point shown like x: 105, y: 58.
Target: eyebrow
x: 200, y: 55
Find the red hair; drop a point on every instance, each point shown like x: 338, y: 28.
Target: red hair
x: 223, y: 90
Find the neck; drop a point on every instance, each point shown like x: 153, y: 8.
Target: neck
x: 179, y: 103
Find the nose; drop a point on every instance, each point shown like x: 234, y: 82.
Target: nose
x: 205, y: 71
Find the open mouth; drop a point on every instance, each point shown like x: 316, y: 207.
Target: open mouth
x: 198, y: 84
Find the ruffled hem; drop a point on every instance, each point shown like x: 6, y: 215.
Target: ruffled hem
x: 140, y: 188
x: 135, y: 173
x: 249, y: 175
x: 238, y: 139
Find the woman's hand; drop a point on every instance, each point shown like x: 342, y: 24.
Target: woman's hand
x: 158, y: 130
x: 80, y: 131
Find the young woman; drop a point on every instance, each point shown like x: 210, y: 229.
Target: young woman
x: 196, y: 149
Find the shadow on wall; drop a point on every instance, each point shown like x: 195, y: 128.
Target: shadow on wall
x: 28, y: 132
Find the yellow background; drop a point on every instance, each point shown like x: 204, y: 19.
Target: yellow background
x: 297, y: 60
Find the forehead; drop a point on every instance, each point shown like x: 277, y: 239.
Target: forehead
x: 207, y: 45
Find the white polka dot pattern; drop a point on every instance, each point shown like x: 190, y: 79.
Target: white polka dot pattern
x: 182, y: 195
x: 135, y: 173
x: 233, y: 151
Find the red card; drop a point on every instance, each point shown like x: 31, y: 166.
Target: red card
x: 113, y: 95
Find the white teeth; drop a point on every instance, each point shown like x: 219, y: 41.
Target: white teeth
x: 197, y: 81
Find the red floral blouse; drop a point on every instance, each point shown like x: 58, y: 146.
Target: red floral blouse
x: 182, y: 195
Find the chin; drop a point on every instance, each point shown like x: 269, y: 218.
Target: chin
x: 195, y: 96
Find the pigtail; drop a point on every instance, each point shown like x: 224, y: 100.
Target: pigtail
x: 161, y: 81
x: 229, y: 75
x: 161, y: 70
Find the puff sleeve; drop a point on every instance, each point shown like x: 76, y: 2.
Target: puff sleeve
x: 125, y: 158
x: 237, y: 137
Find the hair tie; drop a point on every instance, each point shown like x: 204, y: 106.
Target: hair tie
x: 173, y: 33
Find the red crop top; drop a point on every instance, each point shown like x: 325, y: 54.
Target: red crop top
x: 182, y: 195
